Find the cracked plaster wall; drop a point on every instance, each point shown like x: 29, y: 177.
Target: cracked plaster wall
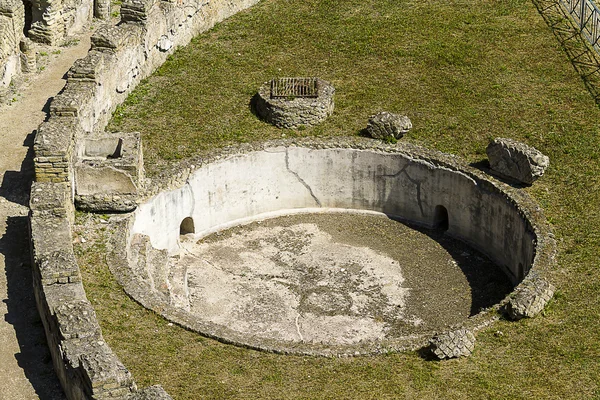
x: 282, y: 180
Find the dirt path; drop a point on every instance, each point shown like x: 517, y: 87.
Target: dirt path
x: 25, y: 365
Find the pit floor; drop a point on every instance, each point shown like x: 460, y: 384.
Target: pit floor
x: 334, y: 279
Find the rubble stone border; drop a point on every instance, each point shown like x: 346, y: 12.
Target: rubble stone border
x: 120, y: 56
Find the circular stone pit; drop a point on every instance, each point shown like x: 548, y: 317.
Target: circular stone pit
x: 335, y: 279
x: 293, y: 111
x: 296, y: 249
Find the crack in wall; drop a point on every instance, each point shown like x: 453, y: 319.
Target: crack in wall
x: 416, y: 182
x: 287, y: 166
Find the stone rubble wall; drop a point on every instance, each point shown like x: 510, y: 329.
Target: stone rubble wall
x: 120, y: 57
x: 51, y: 21
x: 12, y: 22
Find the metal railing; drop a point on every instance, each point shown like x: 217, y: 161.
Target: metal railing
x: 586, y: 16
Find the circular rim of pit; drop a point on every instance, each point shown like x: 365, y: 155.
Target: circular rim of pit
x: 529, y: 211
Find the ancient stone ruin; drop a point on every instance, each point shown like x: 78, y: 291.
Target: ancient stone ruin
x: 387, y: 126
x: 294, y: 102
x: 77, y: 163
x: 25, y: 23
x: 295, y: 270
x: 516, y: 160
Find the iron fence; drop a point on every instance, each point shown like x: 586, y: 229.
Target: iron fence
x: 586, y: 15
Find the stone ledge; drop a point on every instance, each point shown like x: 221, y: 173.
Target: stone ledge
x: 76, y: 100
x: 136, y: 10
x: 54, y: 139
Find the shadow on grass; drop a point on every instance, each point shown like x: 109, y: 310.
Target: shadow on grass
x: 583, y: 58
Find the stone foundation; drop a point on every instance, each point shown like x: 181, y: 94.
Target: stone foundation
x: 294, y: 112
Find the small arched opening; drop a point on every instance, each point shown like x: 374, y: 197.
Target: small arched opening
x: 187, y: 226
x: 440, y: 218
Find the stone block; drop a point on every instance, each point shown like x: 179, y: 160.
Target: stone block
x: 76, y: 100
x: 530, y: 298
x: 516, y: 160
x: 109, y: 36
x: 136, y: 10
x: 77, y: 319
x: 86, y: 68
x: 102, y: 9
x: 109, y: 172
x: 453, y: 344
x: 54, y: 138
x: 98, y: 370
x: 52, y: 198
x: 107, y: 203
x: 58, y: 267
x: 387, y: 126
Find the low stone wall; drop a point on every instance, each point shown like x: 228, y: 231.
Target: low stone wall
x: 119, y: 58
x: 404, y: 181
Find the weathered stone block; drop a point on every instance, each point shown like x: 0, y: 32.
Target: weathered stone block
x: 108, y: 36
x: 388, y: 126
x: 75, y: 100
x: 54, y: 138
x: 102, y: 9
x: 28, y: 55
x: 530, y: 298
x: 77, y: 319
x: 97, y: 369
x: 453, y: 344
x: 516, y: 160
x: 53, y: 198
x: 88, y: 67
x: 136, y: 10
x: 57, y: 268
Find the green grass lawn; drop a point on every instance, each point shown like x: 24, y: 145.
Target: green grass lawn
x: 464, y: 72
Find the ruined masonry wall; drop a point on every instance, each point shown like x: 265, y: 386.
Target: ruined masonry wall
x: 12, y: 22
x: 119, y: 58
x: 50, y: 22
